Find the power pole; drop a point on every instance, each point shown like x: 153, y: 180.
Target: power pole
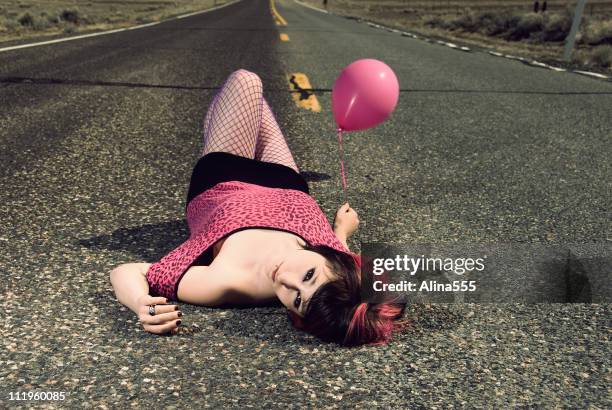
x: 571, y: 38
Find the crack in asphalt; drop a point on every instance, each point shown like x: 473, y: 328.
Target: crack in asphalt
x: 59, y: 81
x: 305, y: 92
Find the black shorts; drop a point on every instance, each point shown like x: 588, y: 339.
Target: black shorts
x: 216, y: 167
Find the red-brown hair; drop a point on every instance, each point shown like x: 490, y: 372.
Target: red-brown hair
x: 336, y: 313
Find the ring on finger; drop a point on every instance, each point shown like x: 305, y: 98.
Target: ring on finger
x: 152, y: 310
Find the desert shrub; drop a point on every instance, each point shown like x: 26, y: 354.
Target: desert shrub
x: 557, y: 27
x: 495, y: 24
x: 53, y: 19
x: 602, y: 56
x: 529, y: 23
x: 41, y: 23
x: 70, y: 16
x: 36, y: 23
x: 597, y: 32
x: 27, y: 20
x: 437, y: 22
x: 466, y: 22
x: 488, y: 23
x: 9, y: 24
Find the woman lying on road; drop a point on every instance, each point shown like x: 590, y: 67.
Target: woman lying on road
x: 257, y: 236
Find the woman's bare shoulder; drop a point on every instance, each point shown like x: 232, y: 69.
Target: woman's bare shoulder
x: 218, y: 286
x: 203, y: 285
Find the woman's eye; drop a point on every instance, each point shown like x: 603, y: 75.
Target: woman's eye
x: 298, y: 300
x: 309, y: 275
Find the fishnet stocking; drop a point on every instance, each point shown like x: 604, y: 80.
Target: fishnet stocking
x: 240, y: 121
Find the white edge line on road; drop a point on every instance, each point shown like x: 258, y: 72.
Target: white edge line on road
x: 557, y: 68
x: 144, y: 25
x: 59, y: 40
x: 101, y: 33
x: 311, y: 7
x: 538, y: 64
x: 591, y: 74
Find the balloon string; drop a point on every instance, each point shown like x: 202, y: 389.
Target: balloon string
x: 342, y: 164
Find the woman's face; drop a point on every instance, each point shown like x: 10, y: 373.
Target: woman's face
x: 298, y: 277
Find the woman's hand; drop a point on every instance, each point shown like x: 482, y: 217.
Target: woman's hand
x: 346, y: 221
x: 165, y: 318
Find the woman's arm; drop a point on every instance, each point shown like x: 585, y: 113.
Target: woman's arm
x: 200, y: 285
x: 130, y: 283
x: 132, y: 290
x: 345, y: 223
x: 342, y: 238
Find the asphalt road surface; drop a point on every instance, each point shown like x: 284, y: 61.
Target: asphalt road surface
x: 99, y: 137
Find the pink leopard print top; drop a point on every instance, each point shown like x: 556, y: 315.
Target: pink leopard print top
x: 229, y: 206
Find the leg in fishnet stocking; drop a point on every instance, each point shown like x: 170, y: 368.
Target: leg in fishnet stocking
x: 240, y: 121
x: 271, y: 145
x: 232, y: 121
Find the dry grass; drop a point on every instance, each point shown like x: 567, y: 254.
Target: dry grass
x: 33, y: 18
x: 509, y: 26
x: 599, y: 56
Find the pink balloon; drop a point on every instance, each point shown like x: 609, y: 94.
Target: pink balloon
x: 364, y: 94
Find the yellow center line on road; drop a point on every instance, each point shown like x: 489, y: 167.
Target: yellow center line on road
x: 302, y: 92
x: 280, y: 21
x: 299, y: 86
